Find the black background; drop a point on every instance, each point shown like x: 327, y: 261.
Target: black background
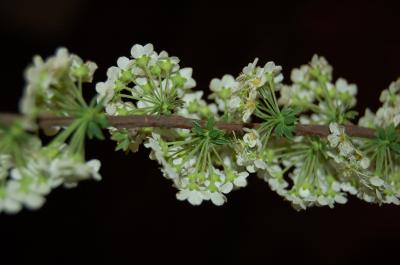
x: 132, y: 216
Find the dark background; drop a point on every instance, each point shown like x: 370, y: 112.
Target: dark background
x: 132, y: 216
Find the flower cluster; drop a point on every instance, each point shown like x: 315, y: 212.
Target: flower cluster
x: 388, y: 113
x: 199, y: 164
x: 313, y: 90
x: 29, y: 170
x: 310, y: 171
x: 205, y: 163
x: 54, y: 86
x: 237, y: 99
x: 149, y: 83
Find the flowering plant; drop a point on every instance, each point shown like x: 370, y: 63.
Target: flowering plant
x: 300, y: 137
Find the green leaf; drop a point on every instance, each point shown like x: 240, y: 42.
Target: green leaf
x: 210, y: 133
x: 349, y: 115
x: 94, y: 131
x: 285, y: 123
x: 396, y: 148
x: 210, y: 123
x: 380, y: 133
x: 102, y: 120
x: 123, y: 140
x: 196, y: 129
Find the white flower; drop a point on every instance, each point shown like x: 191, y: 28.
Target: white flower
x: 224, y: 93
x: 303, y: 192
x: 24, y: 195
x: 40, y: 78
x: 260, y: 164
x: 392, y: 199
x: 193, y: 97
x: 278, y: 185
x: 138, y: 50
x: 216, y: 198
x: 299, y: 75
x: 386, y: 94
x: 336, y: 132
x: 376, y: 181
x: 368, y: 120
x: 69, y: 170
x: 346, y: 148
x: 154, y: 144
x: 270, y: 67
x: 8, y: 204
x: 274, y: 70
x: 340, y: 199
x: 344, y: 87
x: 106, y: 91
x: 249, y: 69
x: 124, y: 63
x: 187, y: 74
x: 234, y: 103
x: 338, y: 138
x: 249, y: 107
x: 285, y: 95
x: 241, y: 180
x: 227, y: 81
x: 252, y: 138
x: 77, y: 65
x: 364, y: 162
x: 226, y: 187
x: 321, y: 64
x: 347, y: 187
x: 61, y: 59
x: 194, y: 197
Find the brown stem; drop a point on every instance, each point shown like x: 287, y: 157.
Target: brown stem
x: 174, y: 121
x: 185, y: 123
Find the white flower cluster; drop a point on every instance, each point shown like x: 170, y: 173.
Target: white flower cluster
x: 206, y: 163
x: 197, y: 173
x: 305, y: 171
x: 313, y: 90
x: 150, y: 83
x: 387, y: 182
x: 389, y: 112
x: 237, y: 99
x: 28, y: 170
x: 248, y: 151
x: 302, y: 164
x: 51, y: 81
x: 44, y: 168
x: 346, y: 150
x: 147, y: 83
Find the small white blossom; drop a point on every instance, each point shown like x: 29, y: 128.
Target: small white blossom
x: 252, y: 138
x: 343, y: 87
x: 195, y: 197
x: 241, y: 180
x: 138, y: 50
x: 376, y: 181
x: 338, y: 139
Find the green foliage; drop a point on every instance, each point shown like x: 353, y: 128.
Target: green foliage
x: 210, y: 132
x: 383, y: 149
x: 14, y: 139
x: 281, y: 122
x: 285, y: 122
x: 123, y: 140
x: 96, y: 121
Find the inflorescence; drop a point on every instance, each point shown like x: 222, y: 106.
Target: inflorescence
x: 203, y: 162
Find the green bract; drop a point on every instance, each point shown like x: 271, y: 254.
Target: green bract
x: 205, y: 162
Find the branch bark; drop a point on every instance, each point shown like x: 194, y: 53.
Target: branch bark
x: 174, y: 121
